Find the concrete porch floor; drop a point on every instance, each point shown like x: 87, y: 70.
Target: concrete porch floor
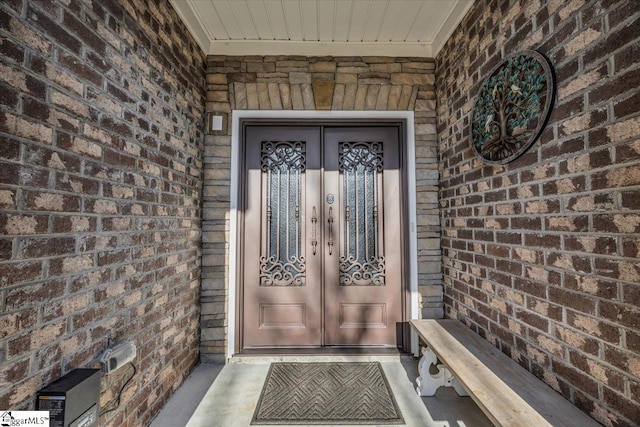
x: 227, y: 395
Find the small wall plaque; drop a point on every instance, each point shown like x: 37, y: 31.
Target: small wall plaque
x: 512, y: 107
x: 217, y: 123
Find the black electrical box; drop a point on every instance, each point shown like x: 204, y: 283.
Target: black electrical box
x: 73, y: 400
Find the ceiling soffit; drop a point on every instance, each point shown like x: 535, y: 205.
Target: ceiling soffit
x: 322, y: 27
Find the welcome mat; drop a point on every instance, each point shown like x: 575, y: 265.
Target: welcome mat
x: 327, y: 393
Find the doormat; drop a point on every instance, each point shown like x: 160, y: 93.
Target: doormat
x: 327, y: 393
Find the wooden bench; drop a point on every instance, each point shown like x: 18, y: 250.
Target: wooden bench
x: 506, y: 392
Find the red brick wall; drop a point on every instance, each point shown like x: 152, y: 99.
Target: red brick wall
x: 101, y: 121
x: 542, y: 255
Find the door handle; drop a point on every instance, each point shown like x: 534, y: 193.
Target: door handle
x: 330, y: 240
x: 314, y: 236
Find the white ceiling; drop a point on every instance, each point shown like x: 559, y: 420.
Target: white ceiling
x: 322, y: 27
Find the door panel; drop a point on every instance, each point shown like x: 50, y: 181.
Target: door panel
x: 358, y: 315
x: 283, y: 315
x: 281, y: 274
x: 363, y: 299
x: 322, y: 248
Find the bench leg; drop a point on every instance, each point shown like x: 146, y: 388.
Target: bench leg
x: 427, y: 383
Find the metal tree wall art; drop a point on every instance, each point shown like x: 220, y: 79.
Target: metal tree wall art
x: 512, y: 107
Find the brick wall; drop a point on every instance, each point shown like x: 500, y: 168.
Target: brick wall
x: 542, y: 255
x: 101, y: 108
x: 314, y: 83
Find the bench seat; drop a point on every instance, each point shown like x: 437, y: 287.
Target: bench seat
x: 506, y: 392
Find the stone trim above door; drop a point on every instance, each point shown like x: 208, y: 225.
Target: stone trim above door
x: 271, y: 83
x: 321, y: 83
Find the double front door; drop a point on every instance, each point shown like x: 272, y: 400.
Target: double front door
x: 322, y: 236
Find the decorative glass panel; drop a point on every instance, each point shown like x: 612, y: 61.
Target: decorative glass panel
x: 282, y: 262
x: 362, y: 259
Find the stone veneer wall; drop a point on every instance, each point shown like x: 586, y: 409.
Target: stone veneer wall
x: 308, y: 83
x: 101, y: 120
x: 542, y: 255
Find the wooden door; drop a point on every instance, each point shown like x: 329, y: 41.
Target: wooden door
x: 322, y: 242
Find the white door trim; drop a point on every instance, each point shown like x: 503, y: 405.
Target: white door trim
x: 238, y: 115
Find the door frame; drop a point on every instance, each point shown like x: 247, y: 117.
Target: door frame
x: 406, y: 119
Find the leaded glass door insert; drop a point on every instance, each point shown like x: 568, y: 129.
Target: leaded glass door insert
x: 362, y: 251
x: 321, y: 248
x: 283, y: 165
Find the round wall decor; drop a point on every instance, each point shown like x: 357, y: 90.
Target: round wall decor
x: 512, y: 107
